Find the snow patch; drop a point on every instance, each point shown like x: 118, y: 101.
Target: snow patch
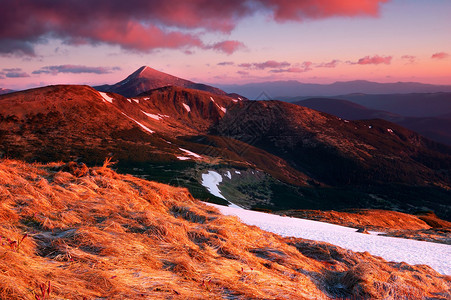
x: 188, y: 109
x: 191, y: 153
x: 106, y: 97
x: 183, y: 157
x: 234, y: 100
x: 237, y: 172
x: 228, y: 175
x: 211, y: 180
x: 142, y: 126
x: 136, y: 100
x: 212, y: 99
x: 129, y: 100
x: 222, y: 108
x: 392, y: 249
x: 156, y: 117
x: 390, y: 130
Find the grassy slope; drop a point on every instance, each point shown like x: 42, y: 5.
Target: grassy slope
x: 94, y: 233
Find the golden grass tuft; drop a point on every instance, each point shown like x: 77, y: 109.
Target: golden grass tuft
x: 93, y: 233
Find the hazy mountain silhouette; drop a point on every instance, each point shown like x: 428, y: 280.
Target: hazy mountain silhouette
x: 283, y: 90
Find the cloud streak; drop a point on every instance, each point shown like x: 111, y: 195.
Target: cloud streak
x: 75, y: 69
x: 332, y: 64
x: 13, y: 73
x: 409, y: 58
x: 374, y: 60
x: 144, y: 25
x: 305, y: 67
x: 269, y: 64
x: 440, y: 55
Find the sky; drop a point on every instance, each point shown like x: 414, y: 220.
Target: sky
x: 45, y: 42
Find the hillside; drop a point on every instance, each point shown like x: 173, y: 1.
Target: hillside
x: 146, y: 78
x: 72, y: 232
x: 282, y: 156
x: 346, y: 109
x: 434, y: 127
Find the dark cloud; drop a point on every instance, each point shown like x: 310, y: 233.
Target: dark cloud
x: 226, y: 63
x: 75, y: 69
x: 144, y: 25
x: 12, y: 70
x: 269, y: 64
x: 17, y: 74
x: 331, y: 64
x: 13, y: 73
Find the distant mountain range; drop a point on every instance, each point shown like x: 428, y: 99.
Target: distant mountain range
x: 5, y: 91
x: 271, y: 154
x: 283, y: 90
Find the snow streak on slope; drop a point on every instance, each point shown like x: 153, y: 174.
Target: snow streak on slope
x: 191, y: 153
x: 186, y: 106
x: 106, y: 97
x: 437, y: 256
x: 142, y: 126
x: 156, y: 117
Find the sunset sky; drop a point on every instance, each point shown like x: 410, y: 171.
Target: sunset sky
x: 46, y: 42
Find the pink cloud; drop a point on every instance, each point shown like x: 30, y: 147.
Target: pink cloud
x: 143, y: 25
x: 440, y: 55
x: 228, y: 46
x: 374, y: 60
x: 409, y: 58
x: 331, y: 64
x: 287, y: 10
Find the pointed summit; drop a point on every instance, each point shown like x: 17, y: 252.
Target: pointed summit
x: 147, y: 78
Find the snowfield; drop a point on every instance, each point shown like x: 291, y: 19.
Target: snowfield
x: 437, y: 256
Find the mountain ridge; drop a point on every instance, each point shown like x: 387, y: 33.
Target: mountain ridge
x: 284, y: 90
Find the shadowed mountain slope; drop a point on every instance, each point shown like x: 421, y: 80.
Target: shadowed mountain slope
x: 435, y: 127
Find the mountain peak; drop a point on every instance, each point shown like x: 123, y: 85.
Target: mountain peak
x: 147, y: 78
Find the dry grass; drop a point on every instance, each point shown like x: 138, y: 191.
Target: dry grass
x: 95, y: 234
